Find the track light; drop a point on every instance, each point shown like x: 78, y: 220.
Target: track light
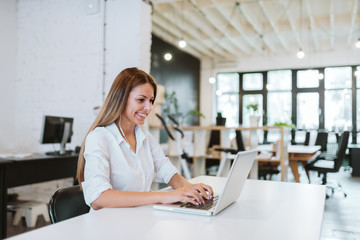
x: 182, y: 43
x: 357, y: 44
x: 300, y: 54
x: 168, y: 56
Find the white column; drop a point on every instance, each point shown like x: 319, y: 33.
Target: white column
x: 207, y: 99
x: 128, y: 37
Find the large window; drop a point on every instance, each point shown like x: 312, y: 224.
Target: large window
x: 252, y: 87
x: 310, y: 98
x: 278, y: 97
x: 252, y: 81
x: 307, y: 110
x: 338, y: 103
x: 227, y: 101
x: 308, y: 79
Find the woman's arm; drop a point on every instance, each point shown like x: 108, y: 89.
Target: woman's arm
x: 184, y: 192
x: 178, y: 182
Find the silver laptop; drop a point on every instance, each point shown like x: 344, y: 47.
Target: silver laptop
x: 231, y: 191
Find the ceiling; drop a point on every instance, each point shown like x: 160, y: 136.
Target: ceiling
x: 228, y: 29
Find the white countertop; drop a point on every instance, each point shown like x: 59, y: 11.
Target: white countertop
x: 265, y: 210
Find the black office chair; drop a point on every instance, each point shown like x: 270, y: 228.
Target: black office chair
x: 307, y: 138
x: 240, y: 147
x: 67, y: 203
x: 239, y: 143
x: 306, y: 141
x: 331, y: 164
x: 321, y: 140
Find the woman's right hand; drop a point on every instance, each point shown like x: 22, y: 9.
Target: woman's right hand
x: 184, y: 195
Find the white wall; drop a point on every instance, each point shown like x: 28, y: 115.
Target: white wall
x: 7, y: 72
x: 340, y: 57
x: 54, y: 62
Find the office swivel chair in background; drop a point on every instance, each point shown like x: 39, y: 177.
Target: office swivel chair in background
x: 331, y: 164
x: 228, y: 151
x: 306, y: 141
x: 322, y: 140
x: 67, y: 203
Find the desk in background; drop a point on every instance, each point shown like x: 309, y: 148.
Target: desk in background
x: 22, y: 171
x: 297, y: 153
x: 303, y: 154
x: 264, y: 210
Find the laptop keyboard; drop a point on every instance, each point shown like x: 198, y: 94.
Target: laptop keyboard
x: 209, y: 203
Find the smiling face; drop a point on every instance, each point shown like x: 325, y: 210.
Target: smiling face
x: 138, y: 105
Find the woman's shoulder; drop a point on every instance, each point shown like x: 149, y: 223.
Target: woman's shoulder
x: 101, y: 132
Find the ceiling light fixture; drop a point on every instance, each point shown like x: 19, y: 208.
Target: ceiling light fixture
x: 300, y: 54
x: 168, y: 56
x: 357, y: 44
x: 212, y: 80
x: 182, y: 43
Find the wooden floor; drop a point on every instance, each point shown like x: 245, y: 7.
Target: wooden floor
x: 341, y: 216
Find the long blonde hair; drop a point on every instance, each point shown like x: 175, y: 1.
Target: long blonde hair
x: 115, y: 104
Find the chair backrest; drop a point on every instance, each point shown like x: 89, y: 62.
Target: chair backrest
x: 321, y: 140
x: 307, y: 138
x: 67, y: 203
x: 239, y: 141
x: 340, y: 154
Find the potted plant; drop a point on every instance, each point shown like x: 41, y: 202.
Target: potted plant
x: 220, y: 120
x: 254, y: 118
x: 171, y: 109
x: 252, y: 107
x: 196, y: 114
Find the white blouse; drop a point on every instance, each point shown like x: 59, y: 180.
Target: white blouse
x: 111, y: 164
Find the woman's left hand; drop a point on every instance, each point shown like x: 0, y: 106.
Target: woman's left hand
x: 205, y: 190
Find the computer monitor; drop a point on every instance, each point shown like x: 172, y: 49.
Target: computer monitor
x: 57, y: 130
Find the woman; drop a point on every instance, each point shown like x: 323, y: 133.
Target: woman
x: 119, y: 160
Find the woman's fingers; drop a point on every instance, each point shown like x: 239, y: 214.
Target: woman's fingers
x: 208, y: 189
x: 200, y: 189
x: 191, y: 200
x: 205, y: 190
x: 195, y: 194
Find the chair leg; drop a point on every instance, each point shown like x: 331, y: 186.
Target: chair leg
x: 20, y: 212
x: 332, y: 186
x: 324, y: 180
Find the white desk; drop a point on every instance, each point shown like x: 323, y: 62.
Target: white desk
x: 265, y: 210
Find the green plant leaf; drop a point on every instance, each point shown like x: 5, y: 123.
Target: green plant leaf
x: 197, y: 112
